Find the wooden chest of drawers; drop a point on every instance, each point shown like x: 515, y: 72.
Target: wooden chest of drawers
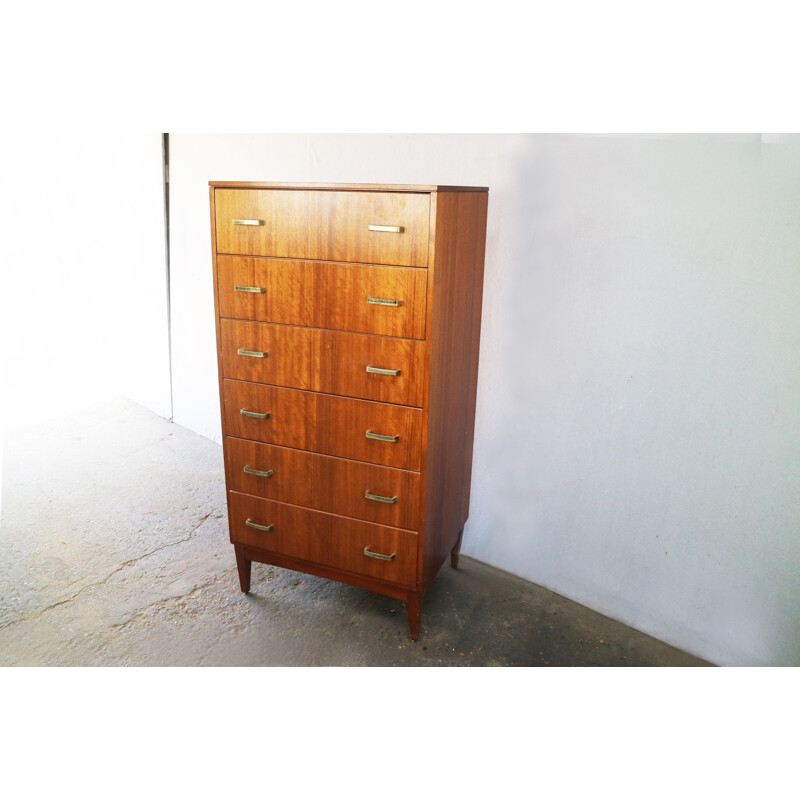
x: 348, y: 328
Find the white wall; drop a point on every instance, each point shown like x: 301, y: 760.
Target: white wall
x: 83, y: 277
x: 639, y: 393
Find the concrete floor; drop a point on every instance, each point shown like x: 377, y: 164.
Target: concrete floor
x: 116, y: 553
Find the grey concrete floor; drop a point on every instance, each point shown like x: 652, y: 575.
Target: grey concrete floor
x: 116, y: 553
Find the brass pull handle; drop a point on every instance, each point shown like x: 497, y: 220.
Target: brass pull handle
x: 254, y: 414
x: 379, y: 301
x: 259, y: 473
x: 381, y: 437
x: 386, y: 228
x: 250, y: 289
x: 381, y: 371
x: 379, y: 498
x: 252, y: 353
x: 381, y: 556
x: 247, y: 221
x: 256, y: 526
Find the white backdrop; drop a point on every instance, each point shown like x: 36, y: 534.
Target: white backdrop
x: 638, y: 415
x: 83, y: 286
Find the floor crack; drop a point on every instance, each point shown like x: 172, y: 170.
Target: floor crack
x: 140, y: 612
x: 455, y: 610
x: 129, y: 563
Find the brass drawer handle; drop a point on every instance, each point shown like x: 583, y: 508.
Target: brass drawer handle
x: 386, y: 228
x: 250, y: 289
x: 381, y: 437
x: 379, y: 301
x: 256, y: 526
x: 379, y: 498
x: 252, y: 353
x: 259, y: 473
x: 247, y: 221
x: 381, y: 371
x: 381, y: 556
x: 254, y: 414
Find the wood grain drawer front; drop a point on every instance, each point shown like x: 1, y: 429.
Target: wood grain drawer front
x: 326, y: 225
x: 350, y: 297
x: 324, y: 483
x: 337, y: 426
x: 324, y: 361
x: 324, y: 538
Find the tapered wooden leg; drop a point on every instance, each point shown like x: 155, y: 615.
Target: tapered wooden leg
x: 243, y: 565
x: 414, y: 608
x: 454, y: 553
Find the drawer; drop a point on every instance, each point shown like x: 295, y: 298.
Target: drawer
x: 349, y: 297
x: 324, y: 361
x: 337, y: 426
x: 324, y: 538
x: 327, y: 225
x: 324, y: 483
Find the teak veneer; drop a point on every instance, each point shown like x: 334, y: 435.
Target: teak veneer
x: 348, y: 328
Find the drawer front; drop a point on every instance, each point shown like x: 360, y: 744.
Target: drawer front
x: 350, y: 297
x: 327, y: 225
x: 324, y: 483
x: 324, y: 361
x: 324, y: 538
x: 337, y: 426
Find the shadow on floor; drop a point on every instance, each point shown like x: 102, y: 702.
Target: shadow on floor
x: 116, y: 554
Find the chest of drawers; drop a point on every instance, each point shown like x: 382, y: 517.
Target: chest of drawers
x: 348, y: 329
